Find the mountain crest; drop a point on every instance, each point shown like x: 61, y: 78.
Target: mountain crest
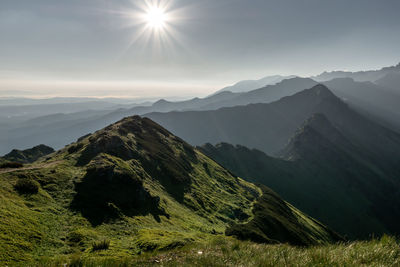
x: 28, y: 155
x: 322, y: 91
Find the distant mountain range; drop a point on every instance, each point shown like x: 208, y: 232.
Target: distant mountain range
x: 60, y: 129
x: 361, y: 76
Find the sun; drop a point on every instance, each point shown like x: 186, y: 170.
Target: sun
x: 155, y: 23
x: 156, y: 17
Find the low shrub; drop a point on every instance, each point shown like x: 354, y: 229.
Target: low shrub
x: 101, y: 245
x: 13, y: 165
x: 27, y: 186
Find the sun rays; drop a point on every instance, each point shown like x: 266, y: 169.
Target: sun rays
x: 153, y: 25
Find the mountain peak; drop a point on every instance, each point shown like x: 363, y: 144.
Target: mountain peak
x: 130, y: 138
x: 161, y: 102
x: 322, y: 90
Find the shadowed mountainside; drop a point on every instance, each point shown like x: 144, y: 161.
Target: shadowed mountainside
x: 325, y: 174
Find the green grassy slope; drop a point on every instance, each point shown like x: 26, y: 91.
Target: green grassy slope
x: 133, y: 185
x: 230, y: 252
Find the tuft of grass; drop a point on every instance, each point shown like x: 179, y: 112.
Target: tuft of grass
x: 101, y: 245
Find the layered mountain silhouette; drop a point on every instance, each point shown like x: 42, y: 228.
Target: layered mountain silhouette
x: 58, y: 130
x: 327, y: 175
x: 377, y: 102
x: 268, y: 127
x: 374, y: 101
x: 249, y: 85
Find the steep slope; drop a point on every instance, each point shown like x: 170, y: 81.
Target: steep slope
x: 322, y: 168
x: 140, y: 187
x: 266, y: 226
x: 28, y: 155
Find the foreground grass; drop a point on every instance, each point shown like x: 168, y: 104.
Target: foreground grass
x: 222, y: 251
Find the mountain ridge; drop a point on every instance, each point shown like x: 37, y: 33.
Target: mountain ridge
x: 370, y: 75
x: 248, y: 85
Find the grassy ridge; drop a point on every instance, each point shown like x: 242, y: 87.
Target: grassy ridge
x: 130, y: 189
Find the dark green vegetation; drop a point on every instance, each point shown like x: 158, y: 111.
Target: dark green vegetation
x: 323, y: 173
x: 7, y: 164
x: 131, y: 188
x: 28, y: 155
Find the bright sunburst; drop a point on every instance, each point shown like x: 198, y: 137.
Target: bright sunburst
x: 156, y: 17
x: 155, y: 25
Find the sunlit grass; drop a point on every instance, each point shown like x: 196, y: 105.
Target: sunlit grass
x: 223, y: 251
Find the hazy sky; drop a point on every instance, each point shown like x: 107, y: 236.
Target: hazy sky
x: 94, y: 47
